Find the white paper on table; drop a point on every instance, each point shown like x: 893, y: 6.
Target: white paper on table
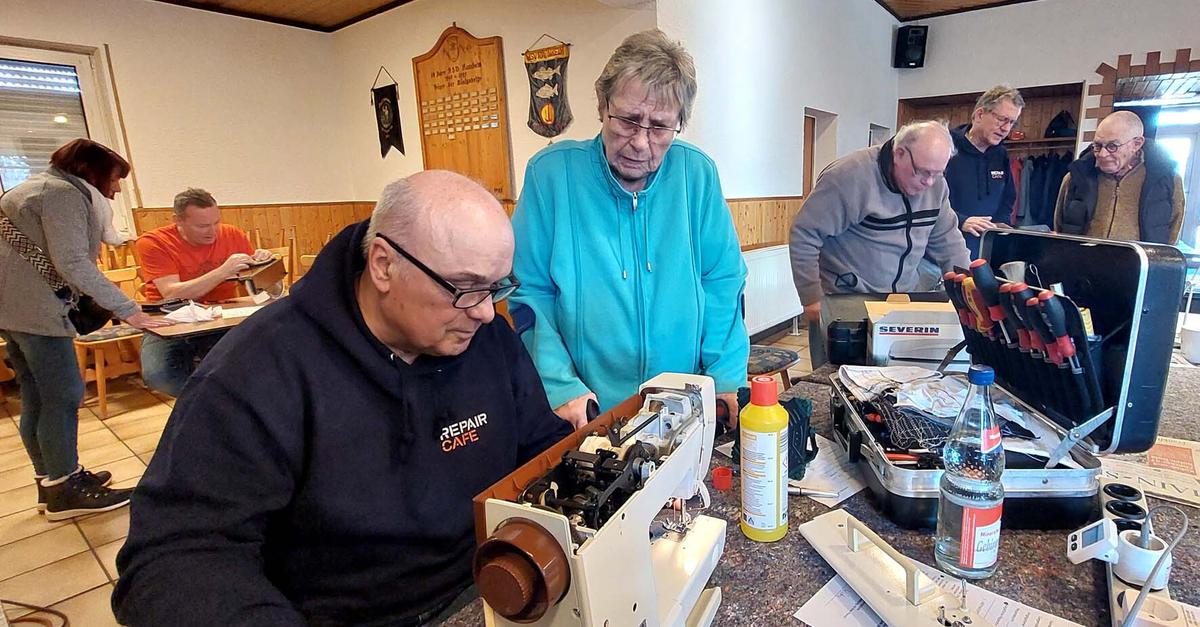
x: 836, y: 604
x: 241, y: 312
x: 830, y: 471
x: 192, y: 312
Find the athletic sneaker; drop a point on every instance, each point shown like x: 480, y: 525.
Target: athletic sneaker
x: 79, y: 495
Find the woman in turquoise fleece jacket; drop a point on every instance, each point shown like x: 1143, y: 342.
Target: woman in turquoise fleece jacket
x: 625, y: 248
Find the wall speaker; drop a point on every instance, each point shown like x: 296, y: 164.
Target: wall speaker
x: 910, y: 46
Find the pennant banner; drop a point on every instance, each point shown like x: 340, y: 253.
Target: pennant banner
x: 387, y: 119
x: 549, y: 113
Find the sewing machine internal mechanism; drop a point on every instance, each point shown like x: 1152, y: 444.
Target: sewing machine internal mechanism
x: 596, y: 531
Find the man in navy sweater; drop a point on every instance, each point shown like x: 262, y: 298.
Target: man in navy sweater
x: 982, y: 190
x: 320, y: 465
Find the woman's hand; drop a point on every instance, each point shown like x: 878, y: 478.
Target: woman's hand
x: 143, y: 320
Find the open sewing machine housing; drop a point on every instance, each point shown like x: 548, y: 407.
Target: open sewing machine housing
x: 567, y: 539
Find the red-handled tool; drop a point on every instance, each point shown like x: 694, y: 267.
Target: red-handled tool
x: 989, y: 288
x: 1056, y: 319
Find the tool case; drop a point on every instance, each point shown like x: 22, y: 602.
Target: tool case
x: 1097, y: 386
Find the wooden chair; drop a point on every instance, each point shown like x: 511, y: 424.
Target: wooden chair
x: 118, y: 257
x: 306, y: 262
x: 6, y: 373
x: 113, y: 351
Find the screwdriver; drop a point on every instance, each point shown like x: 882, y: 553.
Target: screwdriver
x: 989, y: 289
x: 1056, y: 320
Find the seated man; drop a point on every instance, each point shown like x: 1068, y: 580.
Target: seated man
x: 320, y: 466
x: 870, y: 219
x: 1122, y: 187
x: 195, y: 258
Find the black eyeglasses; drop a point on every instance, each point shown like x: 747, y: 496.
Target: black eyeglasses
x: 463, y: 299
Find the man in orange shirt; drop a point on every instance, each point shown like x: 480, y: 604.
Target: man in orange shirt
x: 195, y: 258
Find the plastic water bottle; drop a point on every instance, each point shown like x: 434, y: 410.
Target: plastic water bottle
x: 972, y: 496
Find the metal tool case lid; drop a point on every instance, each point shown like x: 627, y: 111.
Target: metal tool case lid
x: 1133, y: 291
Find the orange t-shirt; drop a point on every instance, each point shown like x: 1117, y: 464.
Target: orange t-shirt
x: 163, y: 252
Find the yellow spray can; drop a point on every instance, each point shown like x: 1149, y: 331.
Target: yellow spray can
x: 764, y: 432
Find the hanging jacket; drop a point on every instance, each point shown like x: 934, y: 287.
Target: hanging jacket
x: 625, y: 286
x: 1156, y: 210
x: 981, y: 184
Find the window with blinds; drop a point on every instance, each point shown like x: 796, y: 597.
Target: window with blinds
x: 41, y: 108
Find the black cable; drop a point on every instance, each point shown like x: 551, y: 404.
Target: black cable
x: 37, y: 620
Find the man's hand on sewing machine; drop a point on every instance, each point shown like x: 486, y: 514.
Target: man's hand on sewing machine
x: 731, y: 401
x: 574, y: 411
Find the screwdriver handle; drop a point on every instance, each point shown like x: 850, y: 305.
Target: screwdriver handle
x: 989, y: 287
x: 1056, y: 319
x: 1043, y: 329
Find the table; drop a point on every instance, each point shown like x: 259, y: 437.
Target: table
x: 764, y: 584
x: 184, y: 329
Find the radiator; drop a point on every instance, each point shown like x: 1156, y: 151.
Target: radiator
x: 770, y: 294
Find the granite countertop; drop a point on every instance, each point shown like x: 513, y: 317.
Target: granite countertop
x: 764, y: 584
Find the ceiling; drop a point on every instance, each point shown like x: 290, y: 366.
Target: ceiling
x: 908, y: 10
x: 1159, y: 89
x: 322, y: 15
x: 330, y: 15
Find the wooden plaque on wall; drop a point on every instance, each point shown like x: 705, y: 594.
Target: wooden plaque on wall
x: 463, y: 113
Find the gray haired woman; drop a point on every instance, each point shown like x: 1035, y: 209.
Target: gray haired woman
x: 54, y: 211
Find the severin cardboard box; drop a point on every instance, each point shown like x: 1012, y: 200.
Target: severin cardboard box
x: 913, y: 334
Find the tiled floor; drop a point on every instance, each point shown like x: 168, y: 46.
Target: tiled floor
x: 70, y: 565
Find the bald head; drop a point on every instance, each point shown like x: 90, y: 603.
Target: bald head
x: 1121, y: 125
x: 439, y: 210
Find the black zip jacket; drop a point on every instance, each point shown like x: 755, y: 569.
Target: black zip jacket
x: 306, y: 477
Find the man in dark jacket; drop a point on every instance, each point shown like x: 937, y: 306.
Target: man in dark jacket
x: 1122, y: 187
x: 982, y: 189
x: 319, y: 467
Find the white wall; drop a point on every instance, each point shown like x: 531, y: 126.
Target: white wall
x: 243, y: 108
x: 761, y: 62
x: 1048, y: 42
x: 393, y: 38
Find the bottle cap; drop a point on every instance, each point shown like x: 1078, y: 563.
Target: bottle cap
x: 981, y: 375
x: 763, y: 391
x: 722, y: 477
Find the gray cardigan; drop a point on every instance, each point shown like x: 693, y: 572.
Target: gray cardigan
x: 53, y: 209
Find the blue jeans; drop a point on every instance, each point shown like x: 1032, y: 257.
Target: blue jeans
x: 51, y: 390
x: 168, y: 362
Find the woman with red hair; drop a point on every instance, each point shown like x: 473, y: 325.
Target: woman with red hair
x: 57, y: 211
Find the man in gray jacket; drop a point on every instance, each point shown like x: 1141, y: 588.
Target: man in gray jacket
x: 870, y: 219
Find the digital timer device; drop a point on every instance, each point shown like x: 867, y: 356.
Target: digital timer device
x: 1095, y: 541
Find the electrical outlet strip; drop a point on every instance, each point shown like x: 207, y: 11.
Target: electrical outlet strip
x: 1159, y: 610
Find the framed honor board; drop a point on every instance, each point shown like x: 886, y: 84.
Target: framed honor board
x: 462, y: 109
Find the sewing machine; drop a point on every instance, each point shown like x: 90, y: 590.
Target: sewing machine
x: 584, y: 534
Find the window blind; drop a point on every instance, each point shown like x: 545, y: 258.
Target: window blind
x: 41, y: 108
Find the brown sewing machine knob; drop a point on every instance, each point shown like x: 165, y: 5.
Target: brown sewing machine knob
x: 521, y: 571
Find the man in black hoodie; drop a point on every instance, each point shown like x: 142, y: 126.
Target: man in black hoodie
x: 982, y: 190
x: 319, y: 467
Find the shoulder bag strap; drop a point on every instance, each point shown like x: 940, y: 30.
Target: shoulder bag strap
x: 33, y: 254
